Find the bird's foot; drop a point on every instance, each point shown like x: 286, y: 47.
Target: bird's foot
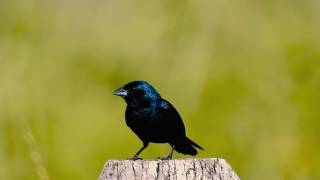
x: 165, y: 158
x: 135, y: 157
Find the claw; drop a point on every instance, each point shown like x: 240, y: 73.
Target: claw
x: 135, y: 157
x: 164, y: 158
x: 160, y: 158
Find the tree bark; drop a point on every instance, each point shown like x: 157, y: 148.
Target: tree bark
x: 178, y: 169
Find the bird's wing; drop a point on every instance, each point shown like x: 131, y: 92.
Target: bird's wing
x: 172, y: 119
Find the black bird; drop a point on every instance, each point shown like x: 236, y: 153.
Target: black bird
x: 154, y: 119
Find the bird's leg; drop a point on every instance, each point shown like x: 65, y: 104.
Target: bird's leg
x: 136, y: 156
x: 169, y: 157
x: 171, y: 152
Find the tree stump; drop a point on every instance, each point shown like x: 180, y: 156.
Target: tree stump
x: 178, y: 169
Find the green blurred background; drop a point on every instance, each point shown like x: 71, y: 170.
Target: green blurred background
x: 244, y: 75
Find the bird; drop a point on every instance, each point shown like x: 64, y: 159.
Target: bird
x: 154, y: 119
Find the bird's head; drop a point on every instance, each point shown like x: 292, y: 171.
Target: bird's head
x: 138, y: 93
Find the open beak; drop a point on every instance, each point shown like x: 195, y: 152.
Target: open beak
x: 120, y: 92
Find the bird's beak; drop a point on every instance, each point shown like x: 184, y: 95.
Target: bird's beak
x: 120, y: 92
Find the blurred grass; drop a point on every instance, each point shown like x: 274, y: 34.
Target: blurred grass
x: 245, y: 76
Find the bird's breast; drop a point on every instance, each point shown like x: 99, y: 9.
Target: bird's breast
x: 148, y: 126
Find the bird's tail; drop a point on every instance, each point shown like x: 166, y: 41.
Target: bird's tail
x: 186, y: 146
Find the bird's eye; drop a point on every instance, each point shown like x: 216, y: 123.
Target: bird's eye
x: 137, y: 91
x: 134, y: 90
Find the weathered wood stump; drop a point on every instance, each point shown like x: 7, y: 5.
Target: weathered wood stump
x: 178, y: 169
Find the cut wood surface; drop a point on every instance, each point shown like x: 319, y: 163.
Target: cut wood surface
x: 177, y: 169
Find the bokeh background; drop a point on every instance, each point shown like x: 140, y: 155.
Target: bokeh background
x: 244, y: 75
